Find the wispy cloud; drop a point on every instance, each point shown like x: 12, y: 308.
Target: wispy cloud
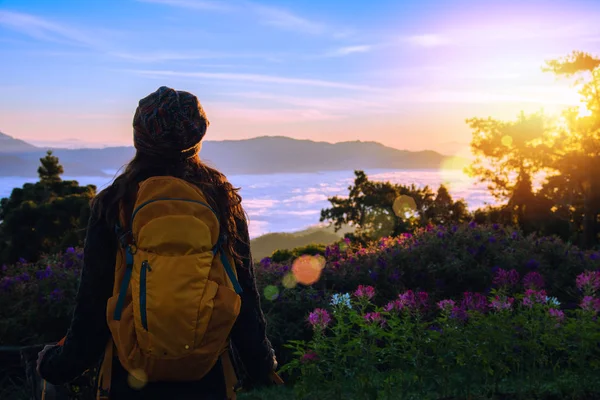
x: 347, y: 50
x: 257, y: 78
x: 268, y: 15
x: 42, y: 29
x: 275, y: 115
x: 286, y: 20
x: 157, y: 57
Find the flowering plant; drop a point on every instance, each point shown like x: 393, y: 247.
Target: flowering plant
x: 509, y: 342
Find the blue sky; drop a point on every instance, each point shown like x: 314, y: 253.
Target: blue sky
x: 404, y: 73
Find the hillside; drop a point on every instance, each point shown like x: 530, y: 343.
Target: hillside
x: 9, y: 144
x: 264, y: 246
x: 262, y: 155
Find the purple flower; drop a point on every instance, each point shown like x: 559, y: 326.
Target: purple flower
x: 594, y: 256
x: 309, y: 357
x: 495, y: 227
x: 365, y: 292
x: 493, y: 239
x: 373, y: 275
x: 440, y: 234
x: 515, y: 235
x: 533, y: 280
x: 459, y: 313
x: 446, y: 305
x: 558, y: 314
x: 502, y: 303
x: 474, y: 302
x: 265, y: 262
x: 395, y: 276
x: 374, y: 317
x: 24, y: 277
x: 505, y: 278
x: 414, y: 302
x: 71, y: 250
x: 436, y: 328
x: 454, y: 228
x: 382, y: 262
x: 396, y: 305
x: 319, y: 319
x: 472, y: 224
x: 533, y: 264
x: 22, y: 261
x: 589, y: 303
x: 44, y: 273
x: 6, y: 283
x: 588, y: 282
x: 534, y: 297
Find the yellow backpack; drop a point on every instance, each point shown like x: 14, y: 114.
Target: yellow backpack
x: 176, y: 294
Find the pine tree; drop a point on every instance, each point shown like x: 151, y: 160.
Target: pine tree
x: 50, y: 170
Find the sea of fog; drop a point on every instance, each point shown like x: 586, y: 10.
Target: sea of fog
x: 292, y: 202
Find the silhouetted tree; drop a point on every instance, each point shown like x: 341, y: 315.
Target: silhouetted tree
x: 574, y: 151
x: 378, y: 209
x: 44, y: 217
x: 50, y: 170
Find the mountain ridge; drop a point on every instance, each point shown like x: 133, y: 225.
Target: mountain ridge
x: 259, y: 155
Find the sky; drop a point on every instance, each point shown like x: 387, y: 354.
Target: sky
x: 403, y: 73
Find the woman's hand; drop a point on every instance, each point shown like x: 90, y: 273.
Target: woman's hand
x: 41, y: 356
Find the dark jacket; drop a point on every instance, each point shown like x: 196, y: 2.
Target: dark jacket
x: 88, y: 335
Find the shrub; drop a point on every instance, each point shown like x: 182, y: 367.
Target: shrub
x: 287, y: 255
x: 37, y: 299
x: 443, y: 262
x: 510, y: 342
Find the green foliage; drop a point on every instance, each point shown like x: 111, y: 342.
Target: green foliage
x: 44, y: 217
x: 50, y: 170
x: 443, y: 261
x: 518, y: 344
x: 286, y: 255
x: 37, y: 299
x: 381, y: 209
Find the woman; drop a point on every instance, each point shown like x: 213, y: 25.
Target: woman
x: 168, y: 128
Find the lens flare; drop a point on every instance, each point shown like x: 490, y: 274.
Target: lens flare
x: 307, y: 269
x: 289, y: 281
x: 271, y: 292
x: 137, y: 379
x: 507, y: 141
x: 404, y: 205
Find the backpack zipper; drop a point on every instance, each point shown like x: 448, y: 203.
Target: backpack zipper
x: 143, y: 316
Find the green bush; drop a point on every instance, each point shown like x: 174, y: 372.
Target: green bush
x: 517, y: 343
x: 286, y: 255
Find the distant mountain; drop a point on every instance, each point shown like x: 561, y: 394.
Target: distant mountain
x: 262, y: 155
x: 9, y: 144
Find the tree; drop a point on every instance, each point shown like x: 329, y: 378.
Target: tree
x: 379, y: 209
x: 508, y: 156
x: 506, y: 153
x: 50, y: 170
x: 574, y: 150
x: 445, y: 210
x: 43, y: 217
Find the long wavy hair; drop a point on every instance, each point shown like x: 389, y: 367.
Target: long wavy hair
x: 220, y: 194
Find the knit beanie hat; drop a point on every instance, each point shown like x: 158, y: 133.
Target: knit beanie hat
x: 169, y: 124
